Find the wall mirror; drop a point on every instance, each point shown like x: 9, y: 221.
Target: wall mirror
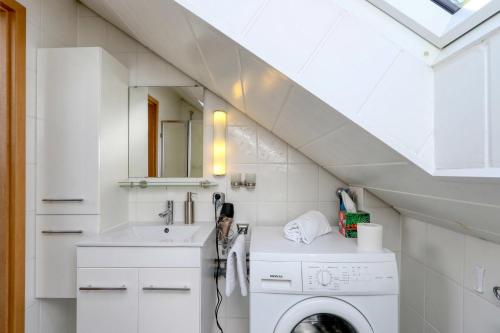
x: 166, y: 132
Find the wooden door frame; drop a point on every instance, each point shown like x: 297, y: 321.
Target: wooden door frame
x: 153, y: 136
x: 12, y: 167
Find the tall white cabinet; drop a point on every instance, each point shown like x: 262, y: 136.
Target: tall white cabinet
x: 82, y: 152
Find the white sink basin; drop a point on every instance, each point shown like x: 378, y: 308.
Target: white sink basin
x: 167, y: 233
x: 146, y: 234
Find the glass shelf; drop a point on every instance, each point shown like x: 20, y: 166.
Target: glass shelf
x: 145, y: 183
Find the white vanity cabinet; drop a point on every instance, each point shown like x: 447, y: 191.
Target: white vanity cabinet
x: 82, y: 152
x: 145, y: 289
x: 166, y: 299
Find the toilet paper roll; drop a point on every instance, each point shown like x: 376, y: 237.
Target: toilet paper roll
x: 370, y: 237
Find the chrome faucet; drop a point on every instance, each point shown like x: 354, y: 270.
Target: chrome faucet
x: 168, y: 214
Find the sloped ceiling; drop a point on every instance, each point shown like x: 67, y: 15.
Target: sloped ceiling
x: 303, y: 120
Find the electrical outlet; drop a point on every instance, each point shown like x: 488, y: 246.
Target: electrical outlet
x: 479, y: 279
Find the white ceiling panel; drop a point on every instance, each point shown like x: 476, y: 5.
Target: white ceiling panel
x: 233, y: 16
x: 405, y: 116
x: 168, y: 26
x: 477, y: 216
x: 409, y: 178
x: 265, y: 89
x: 287, y: 35
x: 222, y: 59
x: 350, y: 145
x: 305, y: 118
x: 353, y: 60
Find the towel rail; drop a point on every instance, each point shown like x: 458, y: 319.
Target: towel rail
x: 227, y: 243
x: 223, y: 268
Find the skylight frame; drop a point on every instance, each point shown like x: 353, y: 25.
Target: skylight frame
x: 434, y: 23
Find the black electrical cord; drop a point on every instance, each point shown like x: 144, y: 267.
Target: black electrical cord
x: 217, y: 272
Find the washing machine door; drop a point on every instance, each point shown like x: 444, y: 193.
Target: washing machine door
x: 323, y: 315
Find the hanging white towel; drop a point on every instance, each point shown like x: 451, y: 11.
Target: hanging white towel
x: 307, y: 227
x: 237, y: 264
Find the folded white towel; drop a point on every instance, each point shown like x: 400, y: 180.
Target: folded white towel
x: 237, y: 256
x: 307, y: 227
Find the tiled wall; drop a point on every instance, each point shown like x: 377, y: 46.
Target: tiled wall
x: 50, y: 23
x: 288, y: 183
x: 437, y: 293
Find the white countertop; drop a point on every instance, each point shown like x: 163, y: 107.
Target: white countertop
x: 152, y: 234
x: 269, y: 243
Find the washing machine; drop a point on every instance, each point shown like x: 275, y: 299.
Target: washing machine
x: 327, y: 286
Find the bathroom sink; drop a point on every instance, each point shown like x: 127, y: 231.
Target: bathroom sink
x: 152, y: 234
x: 165, y: 232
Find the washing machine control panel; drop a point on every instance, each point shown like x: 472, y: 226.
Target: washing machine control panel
x: 350, y: 278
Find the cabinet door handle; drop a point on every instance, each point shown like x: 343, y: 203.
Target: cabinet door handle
x: 152, y: 288
x: 61, y: 200
x: 91, y: 288
x: 62, y: 232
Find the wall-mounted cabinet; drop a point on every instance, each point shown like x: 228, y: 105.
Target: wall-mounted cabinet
x: 82, y: 152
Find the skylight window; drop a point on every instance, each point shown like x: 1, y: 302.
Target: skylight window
x: 439, y: 21
x: 451, y: 6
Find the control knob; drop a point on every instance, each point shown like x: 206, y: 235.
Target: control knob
x: 324, y: 277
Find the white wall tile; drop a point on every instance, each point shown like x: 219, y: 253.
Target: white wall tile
x: 92, y: 31
x: 242, y: 145
x: 30, y: 187
x: 328, y: 185
x: 295, y: 209
x: 33, y: 10
x: 411, y: 322
x: 29, y: 288
x: 33, y: 36
x: 154, y: 71
x: 444, y: 303
x: 272, y: 182
x: 270, y: 149
x: 271, y: 213
x: 245, y: 212
x: 119, y: 42
x: 414, y: 238
x: 239, y: 325
x: 30, y: 140
x: 295, y: 156
x: 58, y: 315
x: 483, y: 254
x: 58, y: 23
x: 331, y: 211
x: 429, y: 329
x: 413, y: 284
x: 84, y: 11
x: 238, y: 118
x: 480, y: 315
x: 445, y: 252
x: 303, y: 182
x: 30, y: 93
x: 390, y: 220
x: 32, y: 318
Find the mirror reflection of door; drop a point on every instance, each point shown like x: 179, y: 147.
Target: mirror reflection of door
x: 153, y: 107
x: 166, y: 132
